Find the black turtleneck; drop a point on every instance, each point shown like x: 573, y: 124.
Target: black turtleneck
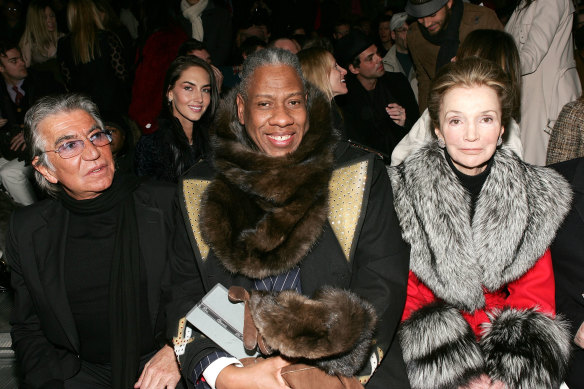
x: 472, y: 184
x: 89, y: 256
x: 88, y: 260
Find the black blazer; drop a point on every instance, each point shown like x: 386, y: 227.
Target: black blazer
x: 568, y: 262
x: 43, y: 329
x: 366, y: 121
x: 377, y: 271
x: 34, y: 86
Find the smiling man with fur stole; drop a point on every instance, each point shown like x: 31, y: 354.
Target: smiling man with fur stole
x: 306, y: 224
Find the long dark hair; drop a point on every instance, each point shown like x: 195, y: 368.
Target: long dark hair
x: 175, y: 136
x: 499, y: 47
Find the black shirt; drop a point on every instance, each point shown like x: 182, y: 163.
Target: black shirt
x: 88, y: 261
x: 472, y: 184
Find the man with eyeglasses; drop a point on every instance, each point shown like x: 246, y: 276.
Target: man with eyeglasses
x: 441, y: 26
x: 398, y: 57
x: 88, y: 263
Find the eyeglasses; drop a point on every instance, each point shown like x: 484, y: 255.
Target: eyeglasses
x: 72, y: 148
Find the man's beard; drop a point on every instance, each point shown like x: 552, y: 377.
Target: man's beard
x: 444, y: 24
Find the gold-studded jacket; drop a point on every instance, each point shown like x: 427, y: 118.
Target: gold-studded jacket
x: 327, y: 208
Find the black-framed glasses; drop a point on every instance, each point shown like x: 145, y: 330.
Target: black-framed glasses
x: 74, y: 147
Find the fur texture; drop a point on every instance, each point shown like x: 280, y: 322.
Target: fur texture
x: 516, y: 217
x: 262, y: 214
x: 526, y: 349
x: 334, y: 329
x: 440, y: 350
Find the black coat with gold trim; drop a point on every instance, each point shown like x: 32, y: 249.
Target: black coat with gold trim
x: 326, y: 208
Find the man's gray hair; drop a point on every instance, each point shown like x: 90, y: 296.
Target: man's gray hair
x: 266, y: 57
x: 42, y: 109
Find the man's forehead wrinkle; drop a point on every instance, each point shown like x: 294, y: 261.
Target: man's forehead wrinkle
x: 271, y: 95
x: 63, y: 126
x: 65, y: 137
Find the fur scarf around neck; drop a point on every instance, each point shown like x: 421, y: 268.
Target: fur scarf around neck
x: 261, y: 214
x: 517, y: 213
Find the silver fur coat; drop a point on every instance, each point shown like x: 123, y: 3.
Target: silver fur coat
x: 516, y: 216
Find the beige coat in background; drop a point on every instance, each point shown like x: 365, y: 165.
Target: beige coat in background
x: 392, y: 64
x: 543, y: 33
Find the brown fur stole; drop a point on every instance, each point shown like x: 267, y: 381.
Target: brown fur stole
x: 261, y: 214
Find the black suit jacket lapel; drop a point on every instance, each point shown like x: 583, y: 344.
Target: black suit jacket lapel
x: 49, y: 245
x: 152, y: 231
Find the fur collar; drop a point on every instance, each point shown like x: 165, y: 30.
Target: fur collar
x: 517, y: 213
x: 262, y: 214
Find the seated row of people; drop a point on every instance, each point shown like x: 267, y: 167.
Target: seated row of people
x: 429, y: 274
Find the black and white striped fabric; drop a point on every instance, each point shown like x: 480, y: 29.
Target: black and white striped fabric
x: 287, y: 281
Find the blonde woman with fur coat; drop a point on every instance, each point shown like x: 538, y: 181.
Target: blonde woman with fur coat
x: 480, y: 309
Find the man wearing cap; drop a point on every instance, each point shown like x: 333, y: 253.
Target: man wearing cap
x: 434, y: 39
x: 380, y: 107
x: 398, y: 57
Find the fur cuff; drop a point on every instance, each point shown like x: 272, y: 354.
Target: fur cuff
x: 526, y: 349
x: 440, y: 349
x: 334, y: 329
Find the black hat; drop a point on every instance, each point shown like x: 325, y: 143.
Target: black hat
x: 423, y: 8
x: 350, y: 46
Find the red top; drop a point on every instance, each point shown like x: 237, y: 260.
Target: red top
x: 534, y: 289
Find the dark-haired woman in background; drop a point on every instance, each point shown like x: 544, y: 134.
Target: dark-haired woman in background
x: 188, y: 105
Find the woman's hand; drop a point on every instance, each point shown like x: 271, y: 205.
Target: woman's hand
x: 17, y: 143
x: 397, y: 113
x: 264, y: 374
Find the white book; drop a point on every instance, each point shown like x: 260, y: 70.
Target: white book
x: 221, y: 321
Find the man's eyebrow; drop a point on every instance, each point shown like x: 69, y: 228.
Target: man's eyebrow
x: 259, y: 95
x: 299, y: 93
x: 68, y: 137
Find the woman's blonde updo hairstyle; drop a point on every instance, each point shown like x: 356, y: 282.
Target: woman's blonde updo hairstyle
x: 317, y: 63
x: 468, y: 73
